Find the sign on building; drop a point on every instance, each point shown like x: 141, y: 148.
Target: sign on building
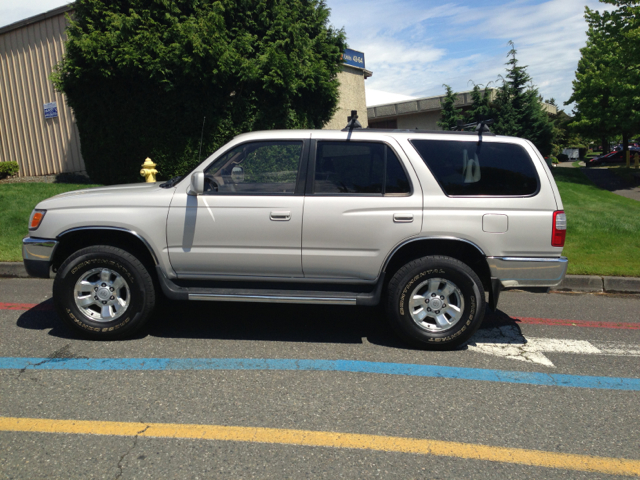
x: 353, y: 58
x: 50, y: 110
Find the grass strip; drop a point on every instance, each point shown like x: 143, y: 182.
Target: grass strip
x: 17, y: 200
x: 602, y: 235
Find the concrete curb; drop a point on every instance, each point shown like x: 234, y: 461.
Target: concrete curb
x: 571, y: 283
x: 13, y: 270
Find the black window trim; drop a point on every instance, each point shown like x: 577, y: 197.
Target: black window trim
x: 311, y: 172
x: 300, y: 179
x: 538, y: 183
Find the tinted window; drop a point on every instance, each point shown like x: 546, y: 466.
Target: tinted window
x: 257, y: 167
x: 479, y: 168
x: 359, y: 168
x: 396, y: 181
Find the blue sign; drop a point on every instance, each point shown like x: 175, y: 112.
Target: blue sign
x: 353, y: 58
x: 50, y: 110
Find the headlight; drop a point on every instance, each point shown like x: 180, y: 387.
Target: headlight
x: 36, y: 219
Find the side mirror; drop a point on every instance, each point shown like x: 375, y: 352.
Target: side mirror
x: 237, y: 174
x: 197, y: 184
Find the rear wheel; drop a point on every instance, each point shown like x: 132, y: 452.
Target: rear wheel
x: 435, y: 302
x: 103, y: 292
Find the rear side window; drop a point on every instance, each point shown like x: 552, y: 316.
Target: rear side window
x: 358, y: 168
x: 479, y: 168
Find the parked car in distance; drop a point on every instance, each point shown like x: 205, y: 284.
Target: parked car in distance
x: 422, y: 222
x: 617, y: 156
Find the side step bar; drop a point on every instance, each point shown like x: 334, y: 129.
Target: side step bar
x: 176, y: 292
x: 277, y: 297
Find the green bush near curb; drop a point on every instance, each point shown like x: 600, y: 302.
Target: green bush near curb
x: 7, y: 169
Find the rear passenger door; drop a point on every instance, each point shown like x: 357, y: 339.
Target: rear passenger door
x: 362, y: 199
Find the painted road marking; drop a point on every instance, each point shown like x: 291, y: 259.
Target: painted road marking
x: 25, y: 306
x: 350, y: 366
x: 509, y: 342
x: 524, y: 320
x: 574, y: 323
x: 538, y: 458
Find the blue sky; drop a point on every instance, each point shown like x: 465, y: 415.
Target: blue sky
x: 414, y: 46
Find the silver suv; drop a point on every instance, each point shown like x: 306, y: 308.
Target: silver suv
x: 423, y: 222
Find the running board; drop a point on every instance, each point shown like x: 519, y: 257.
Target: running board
x: 276, y: 297
x: 265, y: 295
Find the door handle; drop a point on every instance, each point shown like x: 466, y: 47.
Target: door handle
x: 403, y: 217
x: 280, y: 216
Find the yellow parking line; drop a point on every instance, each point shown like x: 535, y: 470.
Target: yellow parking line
x: 616, y: 466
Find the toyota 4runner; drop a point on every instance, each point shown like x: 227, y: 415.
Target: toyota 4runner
x: 423, y: 222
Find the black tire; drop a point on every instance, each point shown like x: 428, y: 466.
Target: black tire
x: 458, y: 321
x: 130, y: 303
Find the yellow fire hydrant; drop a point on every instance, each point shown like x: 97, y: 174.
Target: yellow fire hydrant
x: 149, y: 171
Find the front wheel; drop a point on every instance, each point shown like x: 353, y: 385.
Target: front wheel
x: 435, y: 302
x: 103, y: 292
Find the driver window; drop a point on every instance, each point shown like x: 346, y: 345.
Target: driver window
x: 256, y: 167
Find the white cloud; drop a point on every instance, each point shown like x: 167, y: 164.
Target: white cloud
x: 413, y: 47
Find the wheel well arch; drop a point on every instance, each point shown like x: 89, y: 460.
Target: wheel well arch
x: 463, y: 250
x: 128, y: 240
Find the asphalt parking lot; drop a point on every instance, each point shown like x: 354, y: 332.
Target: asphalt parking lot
x: 548, y: 388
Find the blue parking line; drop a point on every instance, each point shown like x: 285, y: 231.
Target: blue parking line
x: 351, y: 366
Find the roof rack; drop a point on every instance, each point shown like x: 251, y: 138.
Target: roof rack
x: 352, y: 122
x: 481, y: 126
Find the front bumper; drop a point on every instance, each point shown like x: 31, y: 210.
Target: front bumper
x: 513, y: 272
x: 37, y: 254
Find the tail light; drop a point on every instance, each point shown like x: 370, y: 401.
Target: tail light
x: 559, y: 228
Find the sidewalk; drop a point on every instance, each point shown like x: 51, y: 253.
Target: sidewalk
x: 607, y: 180
x: 571, y: 283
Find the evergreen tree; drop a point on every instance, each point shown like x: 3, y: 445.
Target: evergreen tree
x: 481, y: 108
x: 450, y: 114
x: 517, y: 109
x: 142, y: 76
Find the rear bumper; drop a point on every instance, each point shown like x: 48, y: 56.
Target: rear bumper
x: 513, y: 272
x: 37, y: 254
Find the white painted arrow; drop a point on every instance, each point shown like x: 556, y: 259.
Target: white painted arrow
x: 509, y: 342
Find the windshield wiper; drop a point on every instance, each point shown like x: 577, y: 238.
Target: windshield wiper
x: 172, y: 182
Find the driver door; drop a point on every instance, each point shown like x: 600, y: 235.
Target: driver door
x: 249, y: 220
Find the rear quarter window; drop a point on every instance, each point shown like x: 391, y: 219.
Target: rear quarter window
x: 479, y: 168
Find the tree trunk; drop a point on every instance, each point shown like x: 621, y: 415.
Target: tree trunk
x: 605, y: 144
x: 625, y: 148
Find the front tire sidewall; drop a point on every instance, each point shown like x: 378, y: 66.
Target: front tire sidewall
x: 64, y: 293
x: 467, y: 282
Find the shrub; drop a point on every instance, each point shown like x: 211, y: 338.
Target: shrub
x: 563, y: 157
x: 8, y: 169
x: 554, y: 160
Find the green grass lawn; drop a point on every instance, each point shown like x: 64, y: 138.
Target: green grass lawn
x: 17, y: 200
x: 602, y: 227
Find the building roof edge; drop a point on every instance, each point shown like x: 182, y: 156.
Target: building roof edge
x: 37, y: 18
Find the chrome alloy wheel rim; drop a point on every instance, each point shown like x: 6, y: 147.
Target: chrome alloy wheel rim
x: 436, y: 304
x: 102, y: 295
